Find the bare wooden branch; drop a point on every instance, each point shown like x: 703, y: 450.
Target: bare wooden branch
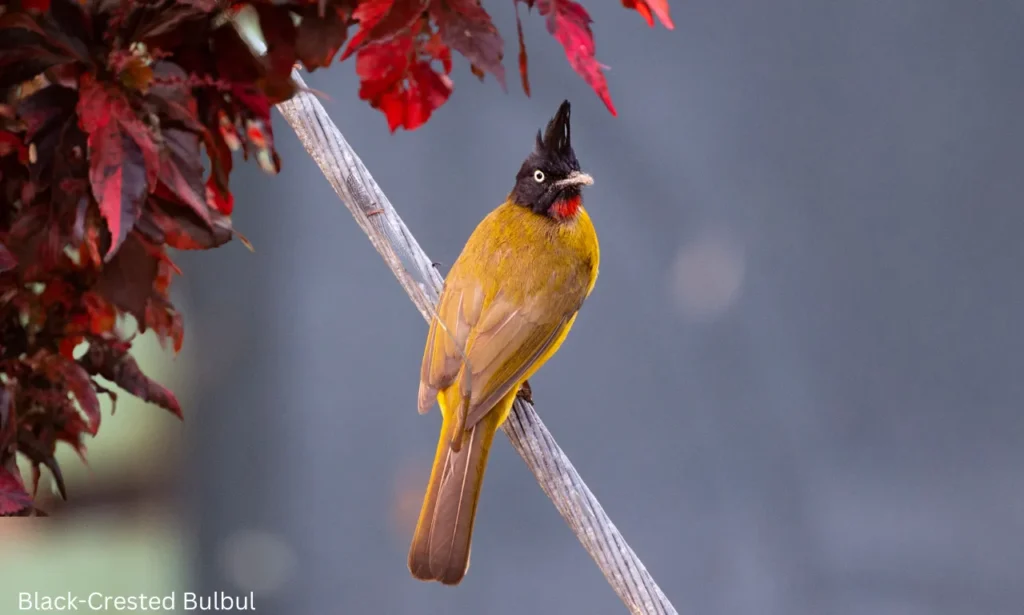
x: 415, y: 272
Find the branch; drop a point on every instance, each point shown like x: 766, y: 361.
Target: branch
x: 531, y: 439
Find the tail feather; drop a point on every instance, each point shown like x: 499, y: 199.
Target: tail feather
x: 441, y: 543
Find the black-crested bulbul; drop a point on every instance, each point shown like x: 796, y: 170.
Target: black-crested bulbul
x: 508, y: 303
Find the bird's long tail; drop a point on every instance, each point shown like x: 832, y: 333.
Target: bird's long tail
x: 440, y: 545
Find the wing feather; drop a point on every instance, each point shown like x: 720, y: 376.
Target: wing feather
x: 502, y: 348
x: 457, y: 313
x: 508, y: 369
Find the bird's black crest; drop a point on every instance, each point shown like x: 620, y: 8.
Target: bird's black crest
x: 554, y: 158
x: 557, y: 139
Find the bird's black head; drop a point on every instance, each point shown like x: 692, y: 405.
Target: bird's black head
x: 550, y: 179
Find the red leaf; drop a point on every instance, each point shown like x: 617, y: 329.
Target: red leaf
x: 98, y: 107
x: 320, y: 38
x: 181, y: 170
x: 223, y: 200
x: 38, y: 6
x: 279, y: 35
x: 640, y: 7
x: 8, y: 426
x: 124, y: 161
x: 172, y: 95
x: 126, y: 281
x: 397, y: 78
x: 49, y: 116
x: 16, y: 20
x: 466, y: 27
x: 166, y: 222
x: 80, y: 384
x: 118, y: 178
x: 7, y: 260
x: 234, y: 60
x: 570, y: 23
x: 39, y: 448
x: 165, y: 322
x: 71, y: 428
x: 102, y: 315
x: 646, y: 7
x: 13, y: 497
x: 26, y: 49
x: 383, y: 20
x: 115, y: 364
x: 68, y: 345
x: 156, y: 23
x: 10, y: 143
x: 219, y: 154
x: 250, y: 117
x: 523, y: 72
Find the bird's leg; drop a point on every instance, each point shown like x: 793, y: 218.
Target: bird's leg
x: 525, y: 392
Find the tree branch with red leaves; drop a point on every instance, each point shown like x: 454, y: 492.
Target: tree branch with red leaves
x: 110, y: 113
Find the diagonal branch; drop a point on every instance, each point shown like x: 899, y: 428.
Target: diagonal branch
x: 415, y: 272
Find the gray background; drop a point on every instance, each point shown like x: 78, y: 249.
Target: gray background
x: 796, y: 387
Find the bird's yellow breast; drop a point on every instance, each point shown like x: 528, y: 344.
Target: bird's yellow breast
x: 519, y: 251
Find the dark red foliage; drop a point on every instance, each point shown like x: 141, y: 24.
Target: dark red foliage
x: 466, y: 27
x: 399, y: 78
x: 118, y: 125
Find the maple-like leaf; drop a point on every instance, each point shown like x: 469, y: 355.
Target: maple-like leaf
x: 524, y: 72
x: 319, y: 38
x: 26, y: 49
x: 102, y: 316
x: 8, y: 426
x: 172, y: 97
x: 181, y: 170
x: 11, y: 143
x: 116, y: 365
x: 36, y: 6
x: 398, y: 79
x: 39, y: 447
x: 124, y: 161
x: 155, y: 24
x: 7, y: 260
x: 647, y: 7
x: 221, y: 199
x: 169, y: 223
x: 279, y: 35
x: 466, y: 27
x: 570, y: 23
x: 126, y: 282
x: 13, y: 497
x: 80, y: 385
x: 382, y: 20
x: 219, y: 154
x: 166, y: 322
x: 118, y: 177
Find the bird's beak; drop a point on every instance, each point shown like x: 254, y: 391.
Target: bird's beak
x: 576, y: 178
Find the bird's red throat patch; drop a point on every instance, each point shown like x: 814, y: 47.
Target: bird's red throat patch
x: 567, y: 208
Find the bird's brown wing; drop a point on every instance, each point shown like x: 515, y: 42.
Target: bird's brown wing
x: 503, y: 340
x: 506, y: 345
x: 457, y: 312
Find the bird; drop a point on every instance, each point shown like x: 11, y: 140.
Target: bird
x: 506, y: 306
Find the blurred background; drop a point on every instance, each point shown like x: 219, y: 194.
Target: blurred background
x: 796, y: 388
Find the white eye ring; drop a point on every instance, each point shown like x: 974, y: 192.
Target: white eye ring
x: 538, y: 176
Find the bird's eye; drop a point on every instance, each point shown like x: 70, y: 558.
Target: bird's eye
x: 538, y: 176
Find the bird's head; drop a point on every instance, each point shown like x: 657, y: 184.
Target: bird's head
x: 550, y: 180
